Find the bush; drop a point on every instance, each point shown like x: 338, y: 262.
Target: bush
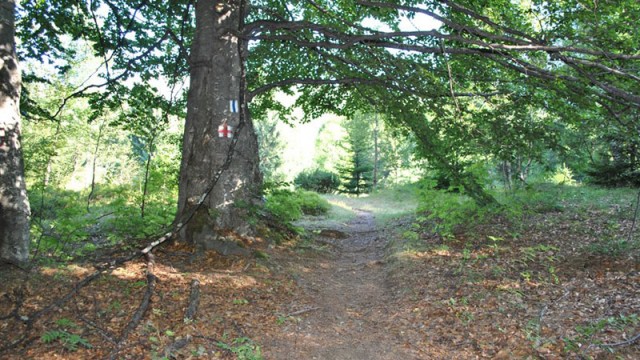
x: 449, y: 210
x: 318, y: 180
x: 614, y: 174
x: 312, y: 204
x: 289, y: 205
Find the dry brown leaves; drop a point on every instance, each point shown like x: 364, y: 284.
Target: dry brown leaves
x: 544, y: 293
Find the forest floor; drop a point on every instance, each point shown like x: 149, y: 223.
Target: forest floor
x: 357, y: 286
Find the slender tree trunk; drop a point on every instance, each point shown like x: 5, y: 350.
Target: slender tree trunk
x: 14, y: 204
x: 506, y: 173
x: 93, y: 168
x: 47, y: 174
x: 217, y: 78
x: 146, y: 178
x: 376, y: 152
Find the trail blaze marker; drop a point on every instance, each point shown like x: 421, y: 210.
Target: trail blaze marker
x: 233, y: 105
x: 225, y: 131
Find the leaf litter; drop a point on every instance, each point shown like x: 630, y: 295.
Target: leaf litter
x: 355, y: 291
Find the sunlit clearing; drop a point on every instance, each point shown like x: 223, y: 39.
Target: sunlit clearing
x: 340, y: 204
x: 235, y: 281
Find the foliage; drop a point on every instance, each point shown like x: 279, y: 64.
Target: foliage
x: 587, y: 334
x: 287, y: 205
x: 87, y: 179
x: 318, y: 180
x: 244, y: 348
x: 489, y: 82
x: 452, y: 210
x: 356, y: 170
x: 615, y: 174
x: 563, y: 176
x: 448, y: 209
x: 69, y: 340
x: 270, y: 146
x: 63, y: 227
x: 614, y: 247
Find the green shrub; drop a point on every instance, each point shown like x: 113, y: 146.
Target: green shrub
x: 311, y: 203
x: 614, y: 174
x: 289, y: 205
x: 449, y: 210
x: 283, y: 205
x: 318, y: 180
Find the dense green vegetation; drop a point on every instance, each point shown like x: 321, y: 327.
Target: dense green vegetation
x: 480, y: 101
x: 479, y: 158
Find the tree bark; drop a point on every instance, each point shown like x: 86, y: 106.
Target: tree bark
x: 14, y: 204
x: 376, y: 151
x: 217, y: 78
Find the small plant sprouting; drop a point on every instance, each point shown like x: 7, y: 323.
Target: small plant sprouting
x: 70, y: 341
x: 66, y: 323
x: 240, y: 301
x: 243, y: 347
x: 587, y: 335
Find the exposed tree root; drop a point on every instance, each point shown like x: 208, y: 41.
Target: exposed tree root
x: 175, y: 346
x: 194, y: 301
x: 300, y: 312
x: 144, y: 304
x: 622, y: 343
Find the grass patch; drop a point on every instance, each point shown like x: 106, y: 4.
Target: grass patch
x: 385, y: 205
x: 288, y: 206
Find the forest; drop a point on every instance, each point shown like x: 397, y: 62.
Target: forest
x: 319, y: 179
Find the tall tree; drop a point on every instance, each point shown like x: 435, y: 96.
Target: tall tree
x: 14, y: 204
x: 357, y: 167
x: 427, y: 81
x: 217, y: 98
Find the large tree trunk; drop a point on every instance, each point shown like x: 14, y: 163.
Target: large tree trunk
x: 14, y: 204
x: 217, y: 77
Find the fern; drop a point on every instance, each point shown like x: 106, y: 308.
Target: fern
x: 69, y: 341
x: 72, y: 341
x: 52, y: 335
x: 66, y: 323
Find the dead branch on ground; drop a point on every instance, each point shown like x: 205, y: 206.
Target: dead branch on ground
x: 194, y: 301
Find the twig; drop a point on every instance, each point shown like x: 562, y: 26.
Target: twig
x: 325, y: 242
x: 622, y: 343
x: 61, y: 301
x: 215, y: 342
x: 300, y: 312
x: 246, y: 267
x: 104, y: 333
x: 17, y: 342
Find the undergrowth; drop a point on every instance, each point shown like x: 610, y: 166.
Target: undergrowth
x: 67, y: 223
x: 453, y: 212
x: 286, y: 205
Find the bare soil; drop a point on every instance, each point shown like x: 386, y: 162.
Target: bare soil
x: 349, y: 305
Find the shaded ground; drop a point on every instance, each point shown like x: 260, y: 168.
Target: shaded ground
x: 349, y: 303
x: 563, y: 284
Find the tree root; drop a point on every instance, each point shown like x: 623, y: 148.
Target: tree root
x: 303, y: 311
x: 194, y: 301
x: 622, y: 343
x: 144, y: 304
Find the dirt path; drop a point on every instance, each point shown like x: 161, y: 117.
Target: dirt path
x: 350, y: 302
